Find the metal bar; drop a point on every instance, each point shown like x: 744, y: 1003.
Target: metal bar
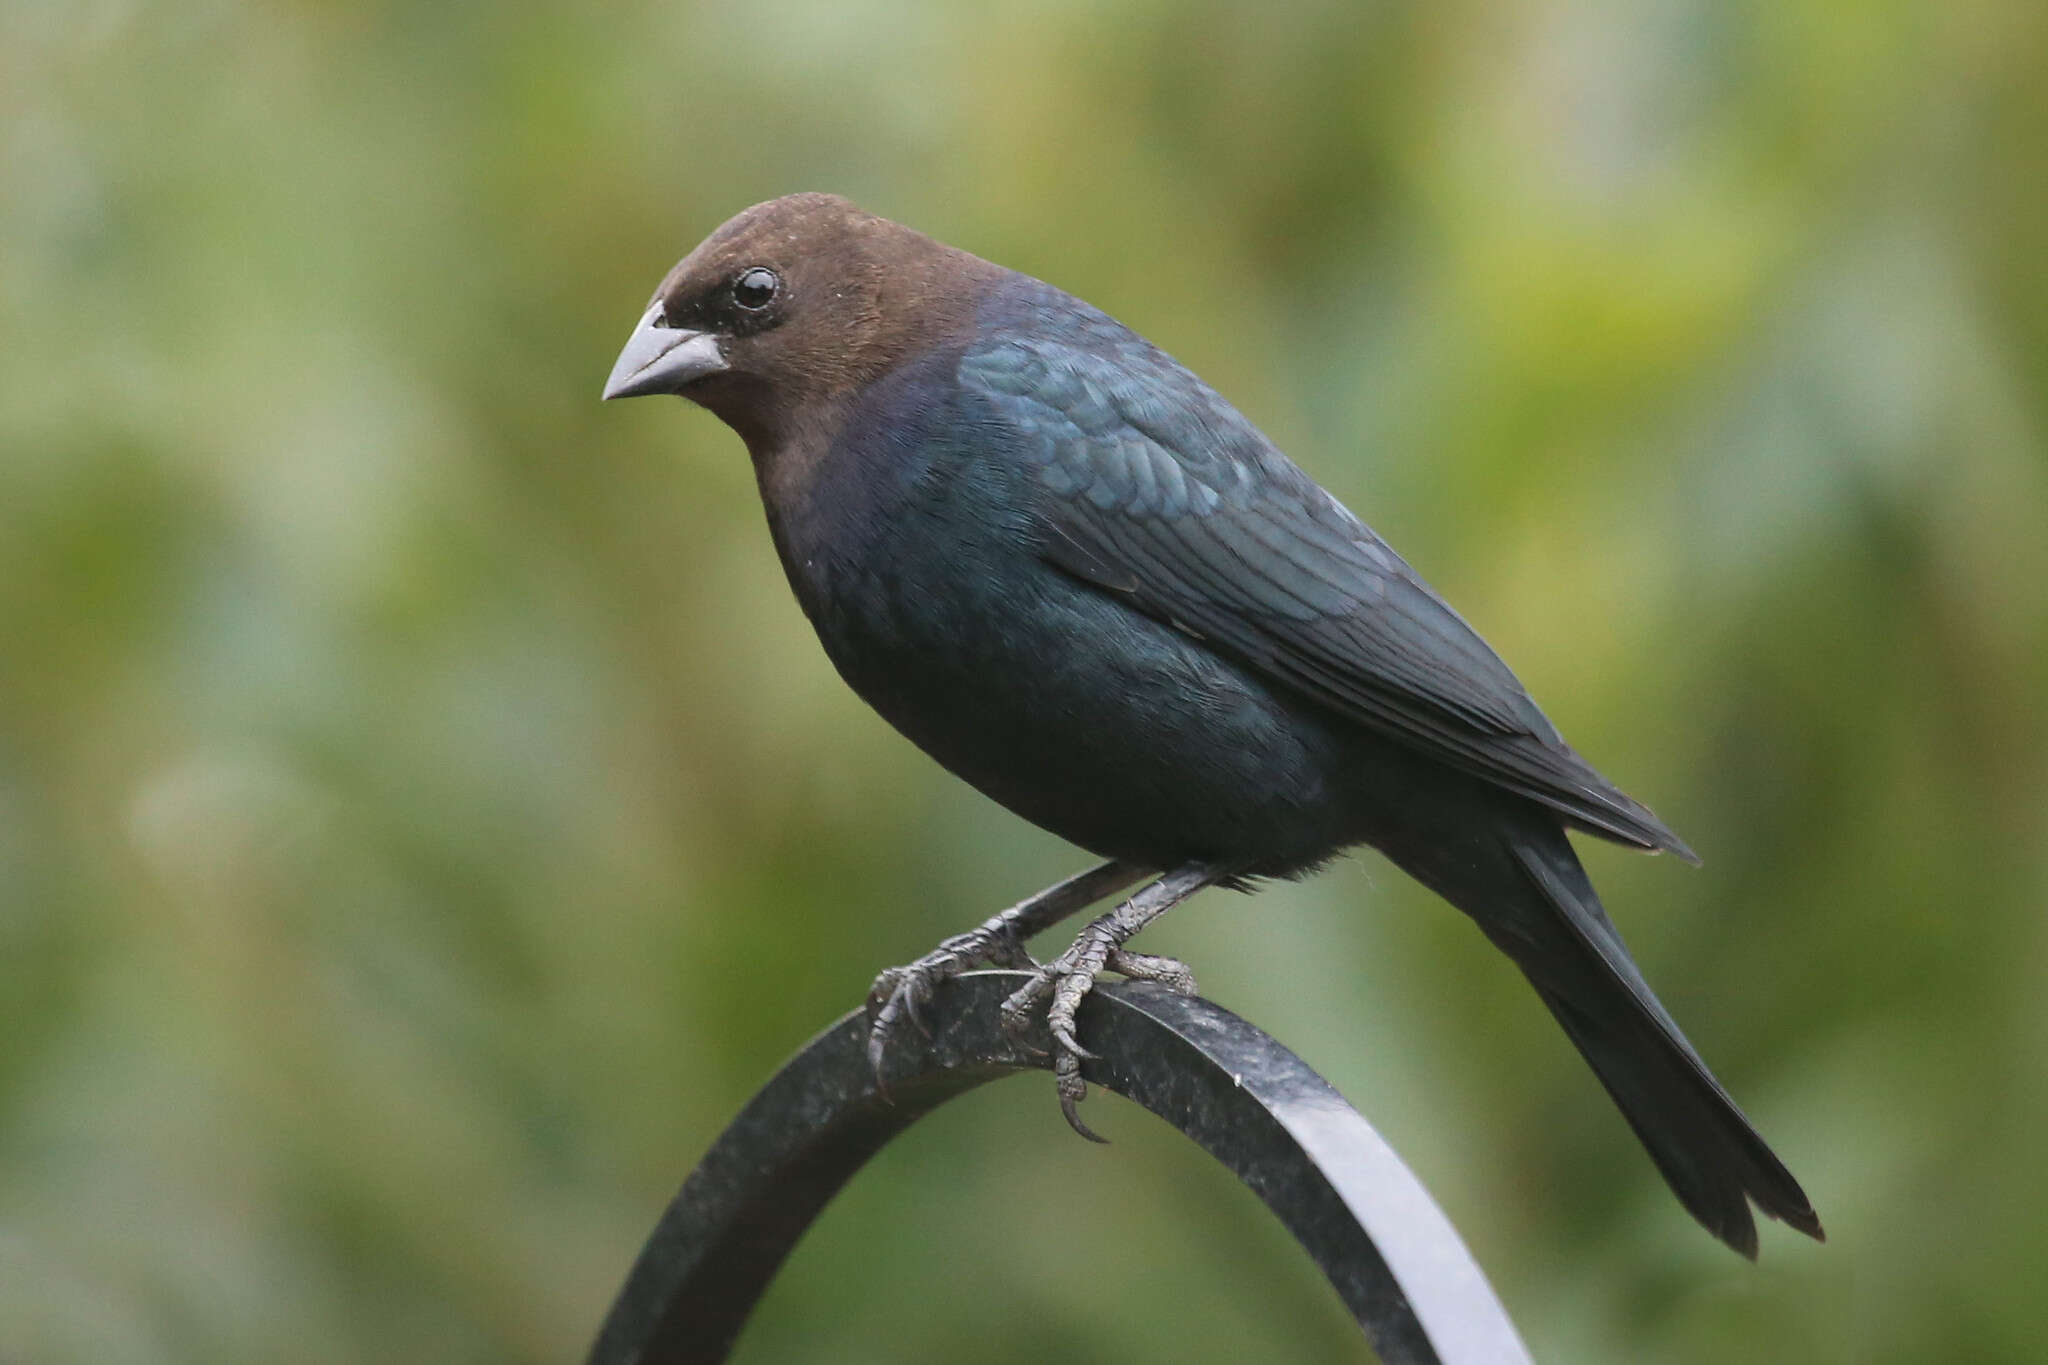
x: 1387, y: 1249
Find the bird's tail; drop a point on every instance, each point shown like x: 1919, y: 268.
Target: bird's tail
x: 1526, y: 889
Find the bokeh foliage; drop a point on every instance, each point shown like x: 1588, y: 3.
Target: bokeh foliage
x: 424, y: 817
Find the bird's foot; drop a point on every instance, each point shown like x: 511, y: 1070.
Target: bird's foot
x: 1066, y: 981
x: 900, y: 994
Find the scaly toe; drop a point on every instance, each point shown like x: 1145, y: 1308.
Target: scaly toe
x: 1165, y: 971
x: 878, y: 1049
x: 1066, y: 1004
x: 1015, y: 1014
x: 882, y: 1025
x: 883, y: 988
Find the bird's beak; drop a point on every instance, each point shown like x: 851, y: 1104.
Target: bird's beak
x: 660, y: 359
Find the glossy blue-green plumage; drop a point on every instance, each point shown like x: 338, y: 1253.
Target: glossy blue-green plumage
x: 1076, y: 576
x: 1059, y: 452
x: 920, y: 555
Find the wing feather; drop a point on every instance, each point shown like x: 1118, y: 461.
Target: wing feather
x: 1156, y: 490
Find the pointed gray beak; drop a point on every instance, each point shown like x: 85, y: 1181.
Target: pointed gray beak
x: 660, y: 359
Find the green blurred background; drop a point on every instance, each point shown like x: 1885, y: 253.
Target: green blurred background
x: 425, y: 817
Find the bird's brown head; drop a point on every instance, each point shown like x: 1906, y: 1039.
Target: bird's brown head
x: 793, y: 304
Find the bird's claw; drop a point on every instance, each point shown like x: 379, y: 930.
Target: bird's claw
x: 1067, y: 980
x: 1066, y: 1072
x: 1058, y: 986
x: 901, y: 993
x: 898, y: 994
x: 1069, y: 1045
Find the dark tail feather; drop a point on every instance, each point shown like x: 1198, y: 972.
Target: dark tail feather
x: 1710, y: 1156
x: 1535, y: 902
x: 1712, y: 1159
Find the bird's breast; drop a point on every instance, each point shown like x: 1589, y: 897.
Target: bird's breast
x: 914, y: 546
x: 1104, y: 726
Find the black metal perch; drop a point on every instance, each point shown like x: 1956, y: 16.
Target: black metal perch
x: 1388, y: 1250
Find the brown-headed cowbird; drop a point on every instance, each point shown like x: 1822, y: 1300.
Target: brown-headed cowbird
x: 1077, y: 577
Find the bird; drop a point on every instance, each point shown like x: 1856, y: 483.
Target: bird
x: 1081, y: 580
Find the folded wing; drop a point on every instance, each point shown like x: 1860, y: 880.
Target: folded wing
x: 1160, y: 493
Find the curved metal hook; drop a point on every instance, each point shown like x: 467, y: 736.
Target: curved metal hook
x: 1340, y: 1189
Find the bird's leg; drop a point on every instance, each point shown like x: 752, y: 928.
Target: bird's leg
x: 1069, y: 977
x: 900, y: 992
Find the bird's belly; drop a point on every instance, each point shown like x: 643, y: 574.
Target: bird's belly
x: 1105, y: 727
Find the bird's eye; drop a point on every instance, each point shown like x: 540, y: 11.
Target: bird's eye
x: 756, y: 287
